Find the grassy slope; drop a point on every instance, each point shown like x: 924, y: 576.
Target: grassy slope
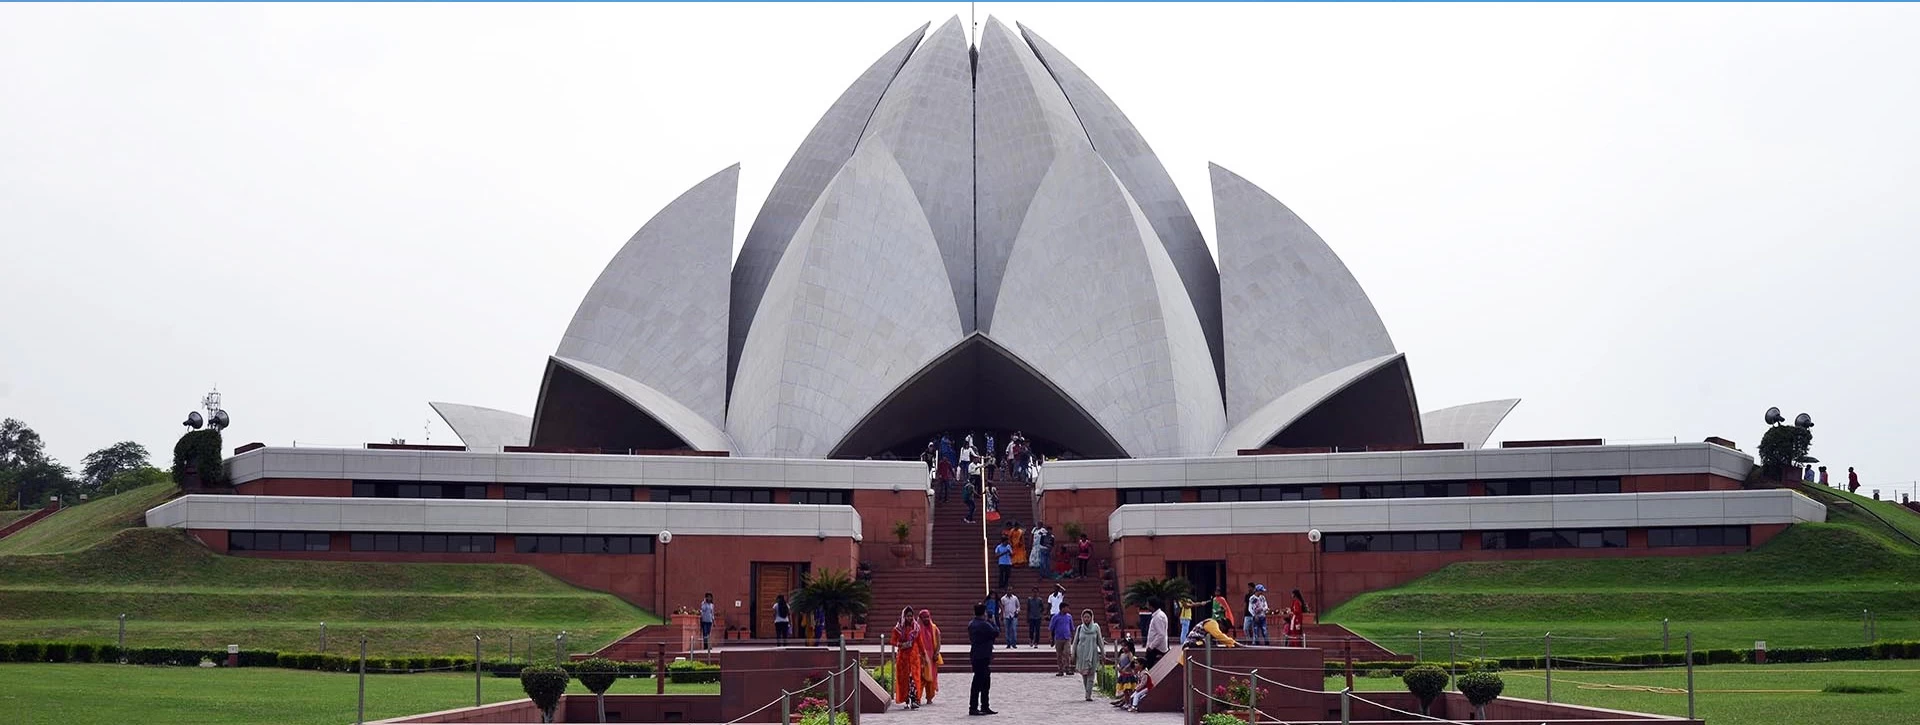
x: 1804, y: 587
x: 87, y: 524
x: 8, y: 517
x: 1714, y: 696
x: 177, y: 593
x: 75, y: 694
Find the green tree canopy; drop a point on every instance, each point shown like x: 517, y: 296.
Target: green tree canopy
x: 102, y: 465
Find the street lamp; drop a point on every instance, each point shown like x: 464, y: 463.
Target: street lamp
x: 1313, y: 537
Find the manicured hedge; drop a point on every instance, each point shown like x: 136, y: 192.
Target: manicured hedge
x: 1901, y: 650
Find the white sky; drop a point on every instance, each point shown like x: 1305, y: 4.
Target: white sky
x: 1648, y: 221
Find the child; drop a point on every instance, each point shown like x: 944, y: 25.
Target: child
x: 1129, y: 679
x: 1140, y: 688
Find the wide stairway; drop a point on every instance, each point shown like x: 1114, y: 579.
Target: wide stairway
x: 960, y: 576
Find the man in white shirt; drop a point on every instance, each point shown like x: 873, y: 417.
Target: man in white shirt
x: 1156, y: 634
x: 1054, y: 600
x: 1010, y: 616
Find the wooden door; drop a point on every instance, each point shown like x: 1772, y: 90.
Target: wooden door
x: 770, y: 581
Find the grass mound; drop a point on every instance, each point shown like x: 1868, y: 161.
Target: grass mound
x: 178, y: 593
x: 8, y: 517
x: 78, y: 527
x: 1861, y: 690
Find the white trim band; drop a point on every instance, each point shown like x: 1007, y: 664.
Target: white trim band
x: 1393, y: 466
x: 1470, y: 513
x: 502, y: 516
x: 573, y: 468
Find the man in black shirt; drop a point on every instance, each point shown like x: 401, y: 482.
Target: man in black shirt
x: 981, y: 634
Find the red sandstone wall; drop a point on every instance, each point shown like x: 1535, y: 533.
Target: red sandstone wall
x: 675, y: 575
x: 1088, y: 506
x: 1677, y: 482
x: 1286, y: 561
x: 878, y: 510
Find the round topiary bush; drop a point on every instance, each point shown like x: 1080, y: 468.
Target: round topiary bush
x: 598, y: 674
x: 544, y: 684
x: 1480, y: 689
x: 1426, y: 682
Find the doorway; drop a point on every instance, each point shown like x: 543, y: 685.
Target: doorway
x: 770, y: 580
x: 1207, y: 577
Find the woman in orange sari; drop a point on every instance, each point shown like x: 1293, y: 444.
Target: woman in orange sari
x: 930, y: 661
x: 907, y: 658
x: 1018, y: 538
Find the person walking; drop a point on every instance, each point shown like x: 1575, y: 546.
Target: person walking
x: 1003, y: 554
x: 1853, y: 479
x: 1060, y: 632
x: 1037, y: 612
x: 931, y: 457
x: 970, y: 495
x: 930, y: 659
x: 1257, y: 616
x: 967, y: 456
x: 706, y: 621
x: 1156, y: 634
x: 1018, y: 538
x: 1086, y: 557
x: 981, y: 634
x: 907, y: 657
x: 1057, y: 601
x: 782, y: 619
x: 1010, y: 615
x: 1089, y: 647
x: 1043, y: 549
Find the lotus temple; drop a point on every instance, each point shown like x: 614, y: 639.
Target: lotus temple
x: 974, y: 240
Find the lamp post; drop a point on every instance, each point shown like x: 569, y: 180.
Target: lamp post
x: 1313, y: 537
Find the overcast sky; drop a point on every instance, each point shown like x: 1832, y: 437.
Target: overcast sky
x: 1648, y: 221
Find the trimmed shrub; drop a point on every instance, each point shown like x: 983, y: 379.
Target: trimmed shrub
x: 690, y: 671
x: 440, y: 663
x: 544, y: 684
x: 1480, y: 689
x: 1425, y: 682
x: 597, y: 675
x: 1222, y: 718
x: 54, y: 652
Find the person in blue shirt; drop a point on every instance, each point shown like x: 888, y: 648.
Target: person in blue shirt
x: 1060, y: 630
x: 981, y: 635
x: 1004, y: 557
x: 706, y: 621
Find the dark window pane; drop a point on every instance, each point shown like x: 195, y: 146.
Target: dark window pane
x: 1427, y: 542
x: 525, y: 544
x: 1405, y: 542
x: 386, y: 542
x: 1613, y: 538
x: 240, y: 541
x: 618, y: 544
x: 595, y: 545
x: 600, y: 494
x: 1686, y: 536
x: 1209, y: 495
x: 1493, y: 540
x: 476, y: 492
x: 1659, y: 537
x: 657, y: 495
x: 1736, y: 536
x: 1611, y: 485
x: 571, y: 545
x: 549, y: 545
x: 360, y: 542
x: 436, y: 543
x: 1583, y: 486
x: 363, y: 489
x: 1590, y: 540
x: 1710, y: 535
x: 410, y: 542
x: 1540, y: 539
x: 1449, y: 541
x: 288, y: 541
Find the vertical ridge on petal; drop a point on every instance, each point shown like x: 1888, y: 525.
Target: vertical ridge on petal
x: 819, y: 157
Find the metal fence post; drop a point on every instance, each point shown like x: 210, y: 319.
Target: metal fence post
x: 1186, y: 692
x: 1690, y: 676
x: 1666, y: 637
x: 1866, y: 632
x: 361, y: 717
x: 1253, y: 697
x: 476, y: 670
x: 1453, y: 653
x: 1419, y: 645
x: 560, y: 648
x: 833, y: 684
x: 323, y: 638
x: 1209, y: 675
x: 786, y: 708
x: 509, y: 647
x: 121, y: 644
x: 1549, y: 640
x: 1346, y: 706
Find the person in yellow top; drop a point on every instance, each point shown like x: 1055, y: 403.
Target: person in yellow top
x: 908, y: 656
x: 1186, y: 617
x: 1018, y: 538
x: 930, y: 660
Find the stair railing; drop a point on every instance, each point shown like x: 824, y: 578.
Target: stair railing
x: 929, y: 546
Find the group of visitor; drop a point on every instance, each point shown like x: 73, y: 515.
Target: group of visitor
x: 1008, y: 608
x: 974, y: 466
x: 1037, y: 549
x: 1810, y: 476
x: 917, y: 660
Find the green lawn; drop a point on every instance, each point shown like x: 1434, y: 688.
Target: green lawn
x: 1806, y: 587
x: 178, y: 593
x: 78, y: 527
x: 8, y: 517
x: 115, y: 694
x: 1725, y: 694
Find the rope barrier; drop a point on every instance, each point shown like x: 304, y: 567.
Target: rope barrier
x: 831, y: 675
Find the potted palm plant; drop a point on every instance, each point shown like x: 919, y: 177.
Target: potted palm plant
x: 833, y: 592
x: 1167, y: 591
x: 900, y: 548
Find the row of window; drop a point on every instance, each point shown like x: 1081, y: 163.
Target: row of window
x: 1403, y: 490
x: 570, y: 544
x: 406, y: 489
x: 428, y: 543
x: 1232, y: 494
x: 402, y: 489
x: 1552, y: 486
x: 277, y: 541
x: 1417, y: 541
x: 570, y: 493
x: 1698, y: 536
x: 1554, y: 539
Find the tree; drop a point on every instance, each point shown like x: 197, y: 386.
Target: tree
x: 1426, y: 682
x: 1781, y: 446
x: 19, y: 445
x: 1480, y: 689
x: 833, y: 592
x: 102, y: 465
x: 544, y: 684
x: 598, y: 675
x: 1168, y: 591
x: 36, y: 482
x: 141, y: 477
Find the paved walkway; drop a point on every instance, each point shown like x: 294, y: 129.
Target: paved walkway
x: 1024, y: 698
